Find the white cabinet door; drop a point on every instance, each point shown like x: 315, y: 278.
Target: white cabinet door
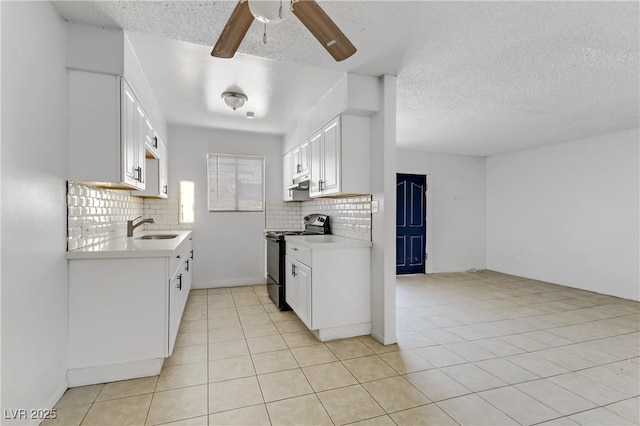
x: 331, y: 158
x: 139, y: 147
x: 175, y: 315
x: 150, y: 139
x: 303, y: 293
x: 304, y: 158
x: 298, y: 289
x: 163, y: 153
x: 291, y: 286
x: 300, y: 159
x: 187, y: 276
x: 287, y: 177
x: 130, y: 119
x: 156, y: 174
x: 315, y: 165
x: 296, y: 161
x: 132, y: 142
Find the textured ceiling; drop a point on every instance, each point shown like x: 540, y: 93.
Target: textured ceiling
x: 474, y: 78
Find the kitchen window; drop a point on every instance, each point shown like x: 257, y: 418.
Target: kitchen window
x: 236, y: 183
x: 187, y: 202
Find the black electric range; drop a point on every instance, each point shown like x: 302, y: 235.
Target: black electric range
x: 314, y: 224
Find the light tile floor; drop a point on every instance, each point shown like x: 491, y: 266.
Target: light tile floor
x: 473, y: 349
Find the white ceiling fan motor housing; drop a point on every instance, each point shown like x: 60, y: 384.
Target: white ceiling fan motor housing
x: 269, y: 11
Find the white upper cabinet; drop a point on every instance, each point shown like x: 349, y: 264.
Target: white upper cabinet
x: 114, y: 117
x: 106, y: 131
x: 315, y: 167
x: 150, y: 139
x: 157, y: 173
x: 339, y: 163
x: 331, y: 158
x: 290, y: 167
x: 300, y: 160
x: 164, y: 169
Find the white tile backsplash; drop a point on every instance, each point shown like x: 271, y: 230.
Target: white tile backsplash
x: 166, y: 214
x: 95, y: 215
x: 349, y: 217
x: 283, y: 216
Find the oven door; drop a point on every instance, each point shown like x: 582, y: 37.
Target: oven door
x: 273, y: 259
x: 275, y: 292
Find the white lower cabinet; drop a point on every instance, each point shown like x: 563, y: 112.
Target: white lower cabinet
x: 124, y: 314
x: 329, y: 289
x: 178, y: 293
x: 298, y: 294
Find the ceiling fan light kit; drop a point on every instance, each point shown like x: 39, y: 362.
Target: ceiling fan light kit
x: 234, y: 100
x: 267, y: 11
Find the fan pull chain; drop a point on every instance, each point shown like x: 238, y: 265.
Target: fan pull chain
x: 264, y: 37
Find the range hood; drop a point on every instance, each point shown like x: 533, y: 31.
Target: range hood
x: 300, y: 182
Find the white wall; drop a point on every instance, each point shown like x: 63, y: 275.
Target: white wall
x: 568, y: 214
x: 34, y: 169
x: 229, y: 246
x: 382, y: 155
x: 457, y: 189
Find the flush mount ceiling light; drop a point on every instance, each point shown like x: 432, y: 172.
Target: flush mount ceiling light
x: 234, y: 100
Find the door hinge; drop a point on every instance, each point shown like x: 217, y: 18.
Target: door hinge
x: 426, y: 256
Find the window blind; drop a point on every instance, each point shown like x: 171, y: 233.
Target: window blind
x: 236, y: 183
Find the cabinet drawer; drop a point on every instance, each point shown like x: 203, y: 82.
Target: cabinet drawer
x: 301, y: 254
x: 174, y: 263
x: 179, y: 257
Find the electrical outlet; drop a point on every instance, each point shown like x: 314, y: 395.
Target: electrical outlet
x: 87, y: 228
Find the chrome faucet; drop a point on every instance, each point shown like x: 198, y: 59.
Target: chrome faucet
x: 131, y: 226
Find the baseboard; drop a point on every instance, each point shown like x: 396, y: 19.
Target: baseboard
x: 23, y: 418
x: 333, y: 333
x: 114, y: 373
x: 230, y: 283
x: 380, y: 338
x: 57, y: 395
x: 452, y: 270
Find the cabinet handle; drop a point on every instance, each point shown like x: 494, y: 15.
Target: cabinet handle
x: 179, y: 286
x: 191, y: 254
x: 298, y: 168
x: 165, y: 190
x: 178, y: 257
x: 293, y: 270
x: 321, y: 185
x: 138, y: 170
x: 294, y: 248
x: 186, y: 265
x: 155, y: 141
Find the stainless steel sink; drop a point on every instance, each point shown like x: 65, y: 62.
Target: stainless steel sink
x: 157, y: 237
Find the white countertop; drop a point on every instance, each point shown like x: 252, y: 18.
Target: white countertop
x: 129, y: 247
x: 327, y: 241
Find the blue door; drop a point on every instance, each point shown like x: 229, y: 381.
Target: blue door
x: 411, y: 230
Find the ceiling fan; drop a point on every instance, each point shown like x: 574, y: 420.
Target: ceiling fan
x: 307, y: 11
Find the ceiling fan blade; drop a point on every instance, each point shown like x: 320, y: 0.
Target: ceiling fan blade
x: 323, y: 29
x: 235, y: 30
